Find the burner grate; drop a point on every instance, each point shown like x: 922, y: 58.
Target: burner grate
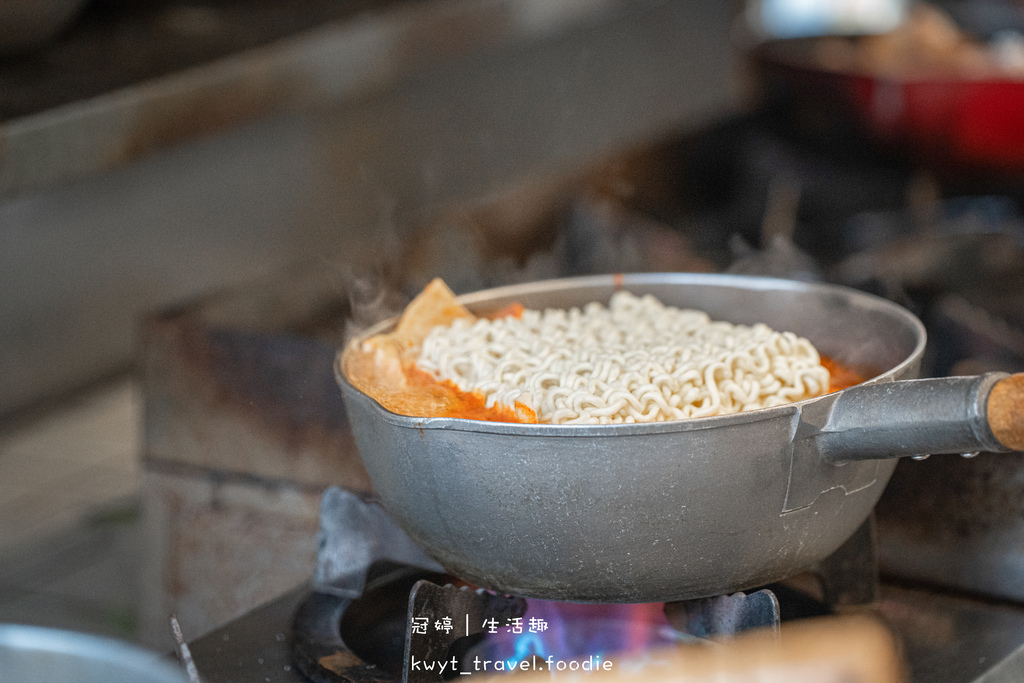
x: 381, y: 611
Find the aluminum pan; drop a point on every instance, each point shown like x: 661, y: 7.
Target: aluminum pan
x: 665, y: 511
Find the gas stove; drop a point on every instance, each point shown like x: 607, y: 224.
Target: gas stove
x: 946, y: 638
x: 379, y: 611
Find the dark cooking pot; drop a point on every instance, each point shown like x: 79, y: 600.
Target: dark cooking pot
x: 674, y: 510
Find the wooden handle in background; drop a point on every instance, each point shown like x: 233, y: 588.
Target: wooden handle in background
x: 1006, y: 411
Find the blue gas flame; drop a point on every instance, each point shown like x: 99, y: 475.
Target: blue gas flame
x: 527, y: 645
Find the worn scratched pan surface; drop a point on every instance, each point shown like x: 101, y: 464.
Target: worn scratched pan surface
x: 685, y: 509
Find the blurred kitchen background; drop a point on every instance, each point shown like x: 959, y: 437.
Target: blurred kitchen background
x: 197, y: 199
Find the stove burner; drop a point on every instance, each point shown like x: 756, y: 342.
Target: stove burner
x: 391, y: 619
x: 434, y: 603
x: 372, y: 638
x: 374, y: 625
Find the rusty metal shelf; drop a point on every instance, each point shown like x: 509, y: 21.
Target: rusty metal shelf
x: 117, y: 44
x: 124, y: 84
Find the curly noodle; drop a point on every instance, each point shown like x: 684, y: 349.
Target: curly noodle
x: 636, y: 360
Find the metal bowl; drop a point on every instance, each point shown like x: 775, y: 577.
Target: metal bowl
x: 31, y: 654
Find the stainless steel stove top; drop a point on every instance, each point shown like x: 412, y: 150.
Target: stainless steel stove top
x: 946, y: 639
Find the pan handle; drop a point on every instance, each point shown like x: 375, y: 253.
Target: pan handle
x: 925, y: 416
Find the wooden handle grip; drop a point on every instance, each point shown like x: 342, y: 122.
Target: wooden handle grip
x: 1006, y: 411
